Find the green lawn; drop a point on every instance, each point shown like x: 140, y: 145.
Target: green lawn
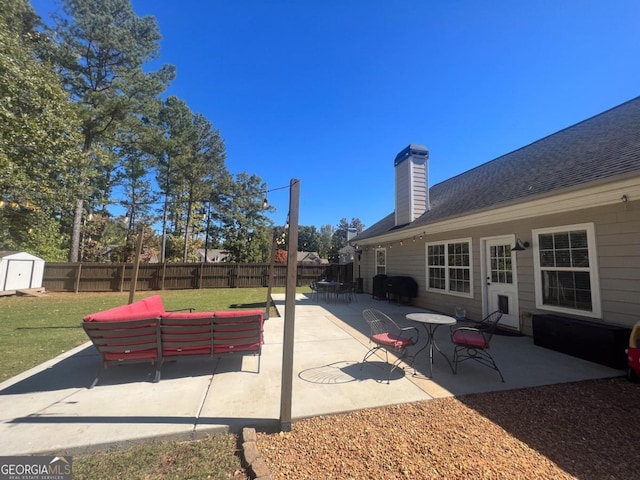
x: 36, y: 329
x: 214, y: 458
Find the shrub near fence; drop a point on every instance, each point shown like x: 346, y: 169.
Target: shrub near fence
x: 117, y: 277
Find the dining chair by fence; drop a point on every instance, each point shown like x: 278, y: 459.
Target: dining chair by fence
x: 387, y: 335
x: 353, y: 287
x: 346, y: 292
x: 472, y: 343
x: 315, y: 291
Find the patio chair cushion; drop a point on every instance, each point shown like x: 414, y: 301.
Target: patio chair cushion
x: 187, y: 322
x: 198, y: 317
x: 394, y: 341
x: 474, y: 339
x: 150, y: 307
x: 238, y: 313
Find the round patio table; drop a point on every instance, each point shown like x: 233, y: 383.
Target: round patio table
x: 431, y: 321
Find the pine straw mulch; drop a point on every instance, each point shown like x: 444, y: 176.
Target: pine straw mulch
x: 586, y: 430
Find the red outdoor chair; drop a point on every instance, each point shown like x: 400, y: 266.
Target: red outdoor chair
x: 387, y: 335
x: 472, y: 343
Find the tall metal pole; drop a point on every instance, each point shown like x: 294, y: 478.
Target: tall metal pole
x: 274, y: 247
x: 136, y: 265
x: 206, y: 234
x: 165, y: 213
x: 286, y: 392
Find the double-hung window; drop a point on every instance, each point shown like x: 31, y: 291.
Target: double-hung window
x: 381, y: 261
x: 449, y: 267
x: 565, y: 269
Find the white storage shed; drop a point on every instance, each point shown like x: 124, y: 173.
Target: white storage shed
x: 20, y: 270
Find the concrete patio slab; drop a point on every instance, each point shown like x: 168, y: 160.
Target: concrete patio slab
x: 49, y: 409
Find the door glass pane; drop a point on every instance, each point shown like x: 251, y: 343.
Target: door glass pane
x: 501, y: 267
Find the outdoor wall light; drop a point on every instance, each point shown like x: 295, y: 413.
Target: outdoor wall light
x: 520, y: 246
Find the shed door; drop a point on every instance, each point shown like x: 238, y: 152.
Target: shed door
x: 19, y: 273
x: 501, y: 286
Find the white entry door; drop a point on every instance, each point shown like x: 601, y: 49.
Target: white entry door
x: 501, y: 286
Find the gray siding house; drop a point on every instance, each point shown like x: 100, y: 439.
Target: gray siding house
x: 551, y: 228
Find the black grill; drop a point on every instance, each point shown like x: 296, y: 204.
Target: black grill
x: 379, y: 289
x: 401, y: 288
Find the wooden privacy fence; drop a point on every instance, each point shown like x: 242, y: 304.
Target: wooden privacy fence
x: 117, y: 277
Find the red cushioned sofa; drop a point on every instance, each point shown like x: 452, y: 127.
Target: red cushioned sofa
x: 144, y: 331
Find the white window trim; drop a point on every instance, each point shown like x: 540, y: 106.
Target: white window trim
x: 446, y: 290
x: 375, y: 259
x: 596, y: 306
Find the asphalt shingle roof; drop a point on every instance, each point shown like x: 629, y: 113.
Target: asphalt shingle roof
x: 602, y: 146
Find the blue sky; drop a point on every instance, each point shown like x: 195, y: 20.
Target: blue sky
x: 330, y: 91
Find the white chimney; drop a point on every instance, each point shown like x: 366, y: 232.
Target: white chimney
x: 412, y: 188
